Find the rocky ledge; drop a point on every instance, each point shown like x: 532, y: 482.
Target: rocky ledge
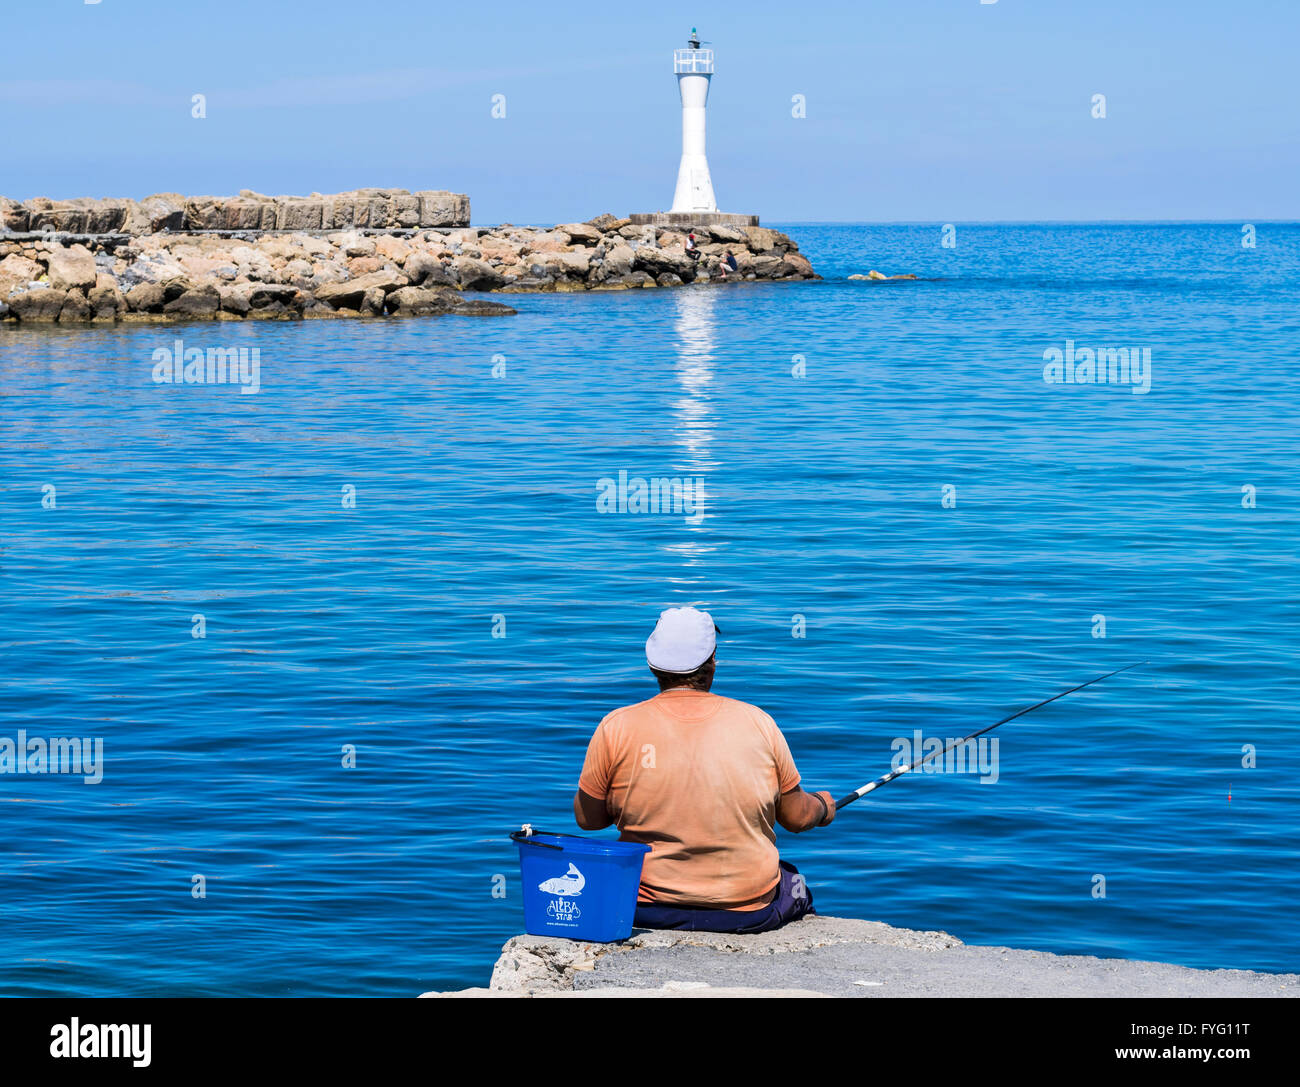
x: 837, y: 956
x: 161, y: 275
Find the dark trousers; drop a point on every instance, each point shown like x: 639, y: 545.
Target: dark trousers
x: 793, y: 900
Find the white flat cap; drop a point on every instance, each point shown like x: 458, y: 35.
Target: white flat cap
x: 682, y: 640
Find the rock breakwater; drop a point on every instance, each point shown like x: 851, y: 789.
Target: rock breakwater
x: 127, y: 269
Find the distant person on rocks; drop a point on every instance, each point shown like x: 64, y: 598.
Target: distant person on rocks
x: 692, y: 250
x: 701, y: 779
x: 727, y: 265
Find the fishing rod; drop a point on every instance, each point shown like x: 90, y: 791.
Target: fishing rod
x: 1020, y: 713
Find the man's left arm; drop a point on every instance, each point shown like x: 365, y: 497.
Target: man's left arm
x: 796, y: 810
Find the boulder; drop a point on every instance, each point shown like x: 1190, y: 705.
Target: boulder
x: 151, y: 268
x: 574, y: 265
x: 474, y: 275
x: 13, y: 216
x: 392, y: 248
x: 75, y: 308
x: 234, y: 299
x: 520, y: 284
x: 552, y: 241
x: 655, y: 260
x: 426, y: 269
x: 174, y: 288
x: 632, y: 279
x: 273, y: 296
x: 356, y: 245
x: 279, y: 248
x: 796, y: 264
x: 198, y: 303
x: 351, y: 293
x: 106, y: 300
x: 420, y: 301
x: 328, y: 272
x: 727, y: 234
x: 252, y: 262
x: 605, y: 223
x: 276, y: 311
x: 499, y: 249
x: 481, y: 307
x: 17, y: 270
x: 668, y: 279
x: 200, y: 267
x: 71, y: 267
x: 581, y: 233
x: 760, y: 239
x: 617, y: 261
x: 38, y: 304
x: 314, y: 247
x: 146, y: 298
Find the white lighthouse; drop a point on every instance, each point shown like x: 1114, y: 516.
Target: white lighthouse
x: 693, y: 67
x: 694, y: 205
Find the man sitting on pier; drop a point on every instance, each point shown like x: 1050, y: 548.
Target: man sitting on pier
x: 701, y: 779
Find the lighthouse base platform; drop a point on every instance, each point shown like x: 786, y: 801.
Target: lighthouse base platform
x: 693, y: 218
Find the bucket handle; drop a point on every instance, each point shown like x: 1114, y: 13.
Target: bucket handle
x: 521, y: 837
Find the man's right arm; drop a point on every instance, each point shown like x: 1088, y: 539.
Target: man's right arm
x: 589, y: 808
x: 591, y: 813
x: 798, y: 811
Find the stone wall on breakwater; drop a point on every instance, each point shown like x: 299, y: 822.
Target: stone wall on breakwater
x: 381, y: 209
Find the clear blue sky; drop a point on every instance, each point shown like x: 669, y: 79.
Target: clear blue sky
x: 934, y: 110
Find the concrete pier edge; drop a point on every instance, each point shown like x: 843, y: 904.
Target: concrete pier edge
x: 692, y: 219
x: 835, y: 956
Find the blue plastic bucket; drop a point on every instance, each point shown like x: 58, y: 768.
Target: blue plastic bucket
x: 579, y: 888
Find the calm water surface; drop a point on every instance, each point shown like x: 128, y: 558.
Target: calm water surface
x: 475, y: 512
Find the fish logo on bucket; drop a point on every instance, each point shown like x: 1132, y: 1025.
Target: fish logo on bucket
x: 571, y: 883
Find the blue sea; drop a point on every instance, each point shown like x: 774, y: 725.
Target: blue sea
x: 414, y: 614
